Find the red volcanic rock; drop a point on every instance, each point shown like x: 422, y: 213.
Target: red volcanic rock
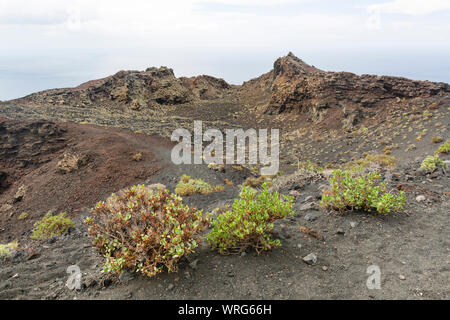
x: 296, y: 87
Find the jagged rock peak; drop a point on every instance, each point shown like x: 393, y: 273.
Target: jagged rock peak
x: 161, y: 72
x: 291, y: 65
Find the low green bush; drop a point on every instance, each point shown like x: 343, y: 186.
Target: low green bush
x: 52, y: 226
x: 358, y: 166
x: 189, y: 186
x: 443, y: 148
x: 360, y: 193
x: 249, y: 222
x: 6, y: 249
x: 145, y: 230
x: 431, y: 163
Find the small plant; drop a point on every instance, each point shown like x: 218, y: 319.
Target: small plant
x: 228, y: 182
x: 436, y: 139
x: 431, y: 163
x: 52, y: 226
x: 137, y: 157
x: 256, y: 182
x: 443, y: 148
x: 309, y: 166
x: 6, y: 249
x: 188, y: 186
x: 249, y: 222
x: 145, y: 230
x: 23, y: 216
x: 360, y: 165
x: 360, y: 193
x: 216, y: 167
x: 427, y: 113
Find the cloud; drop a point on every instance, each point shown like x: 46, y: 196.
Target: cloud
x: 254, y: 2
x: 411, y: 7
x: 177, y: 25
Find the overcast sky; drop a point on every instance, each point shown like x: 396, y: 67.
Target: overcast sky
x: 62, y: 43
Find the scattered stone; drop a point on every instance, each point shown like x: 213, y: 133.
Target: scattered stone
x: 308, y: 199
x: 420, y: 198
x: 310, y: 259
x: 327, y: 173
x: 20, y: 194
x: 157, y: 187
x: 16, y: 255
x: 308, y: 206
x: 421, y: 172
x: 353, y: 224
x: 107, y: 282
x: 340, y: 231
x: 194, y: 264
x: 126, y: 277
x: 402, y: 277
x: 90, y: 282
x: 294, y: 193
x: 5, y: 207
x: 434, y: 175
x: 243, y: 254
x: 33, y: 254
x: 325, y: 268
x: 171, y: 287
x: 312, y: 216
x: 52, y: 240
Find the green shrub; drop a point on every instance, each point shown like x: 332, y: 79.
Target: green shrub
x: 257, y: 182
x: 431, y: 163
x: 249, y: 221
x: 309, y: 166
x: 137, y: 157
x: 360, y: 193
x: 145, y: 230
x: 188, y: 186
x: 443, y: 148
x: 382, y: 160
x: 52, y: 226
x: 5, y: 249
x: 437, y: 139
x: 23, y: 216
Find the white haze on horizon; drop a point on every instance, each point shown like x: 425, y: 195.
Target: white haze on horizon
x: 51, y: 43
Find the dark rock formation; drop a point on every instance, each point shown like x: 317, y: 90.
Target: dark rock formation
x: 206, y: 87
x: 133, y: 90
x: 24, y: 146
x: 296, y: 87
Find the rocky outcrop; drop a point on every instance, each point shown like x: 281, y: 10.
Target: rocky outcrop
x: 296, y: 87
x: 336, y: 99
x: 206, y: 87
x: 133, y: 90
x: 25, y: 146
x: 22, y: 141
